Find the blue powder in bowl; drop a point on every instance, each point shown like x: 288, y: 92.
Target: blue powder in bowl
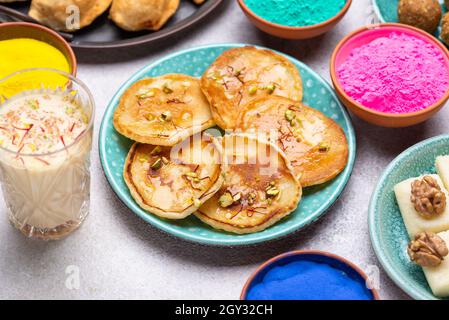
x: 307, y: 280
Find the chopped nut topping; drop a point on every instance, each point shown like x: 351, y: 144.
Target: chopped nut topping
x: 192, y: 174
x: 271, y: 88
x: 427, y: 250
x: 157, y: 150
x: 252, y: 196
x: 272, y: 190
x: 290, y: 116
x: 156, y: 164
x: 166, y: 116
x: 166, y: 89
x: 145, y: 95
x: 252, y: 90
x: 226, y: 200
x: 197, y: 203
x: 428, y: 199
x: 143, y: 159
x: 237, y: 197
x: 324, y: 147
x: 165, y: 160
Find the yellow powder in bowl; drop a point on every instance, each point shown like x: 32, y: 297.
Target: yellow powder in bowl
x: 24, y: 53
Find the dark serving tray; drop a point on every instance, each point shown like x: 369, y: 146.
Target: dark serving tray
x: 103, y: 33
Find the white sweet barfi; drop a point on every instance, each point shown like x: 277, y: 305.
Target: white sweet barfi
x: 442, y: 165
x: 438, y: 278
x: 414, y: 222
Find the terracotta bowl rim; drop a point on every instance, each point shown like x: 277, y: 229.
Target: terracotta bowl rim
x: 326, y: 254
x: 71, y: 57
x: 358, y: 105
x: 335, y: 18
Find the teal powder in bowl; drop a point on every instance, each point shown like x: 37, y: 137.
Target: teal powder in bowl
x: 296, y: 13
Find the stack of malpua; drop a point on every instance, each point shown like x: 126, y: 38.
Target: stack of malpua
x: 423, y: 204
x: 248, y: 179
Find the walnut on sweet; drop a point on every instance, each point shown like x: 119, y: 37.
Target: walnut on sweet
x: 427, y: 197
x: 427, y: 250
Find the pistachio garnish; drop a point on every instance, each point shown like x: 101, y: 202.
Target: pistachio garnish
x: 271, y: 88
x: 290, y: 115
x: 166, y: 89
x: 226, y: 200
x: 165, y: 160
x: 156, y: 164
x: 143, y: 158
x: 237, y: 197
x: 157, y: 150
x: 34, y: 104
x: 192, y: 174
x: 252, y: 90
x: 252, y: 196
x: 323, y: 147
x: 272, y: 190
x: 166, y: 116
x: 197, y: 203
x: 145, y: 95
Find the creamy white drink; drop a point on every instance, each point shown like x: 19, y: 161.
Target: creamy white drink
x: 45, y: 140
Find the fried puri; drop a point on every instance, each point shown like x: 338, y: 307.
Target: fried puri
x: 139, y: 15
x: 259, y: 189
x: 315, y: 144
x: 163, y: 110
x: 58, y: 15
x: 242, y: 74
x: 173, y: 182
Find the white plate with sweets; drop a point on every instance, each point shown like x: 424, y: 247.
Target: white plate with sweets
x: 205, y: 195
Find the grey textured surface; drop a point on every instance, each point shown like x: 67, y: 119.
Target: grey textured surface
x: 120, y: 256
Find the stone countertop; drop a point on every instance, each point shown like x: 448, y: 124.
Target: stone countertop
x: 119, y: 256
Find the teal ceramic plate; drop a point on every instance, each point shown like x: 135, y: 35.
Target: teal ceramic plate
x: 387, y: 11
x: 318, y: 94
x: 387, y: 230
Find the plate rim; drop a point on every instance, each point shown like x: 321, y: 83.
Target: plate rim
x: 161, y: 224
x: 377, y: 11
x: 376, y: 243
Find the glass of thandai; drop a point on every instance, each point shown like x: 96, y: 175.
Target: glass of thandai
x: 46, y: 125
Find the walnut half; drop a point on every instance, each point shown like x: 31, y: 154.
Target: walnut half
x: 427, y: 250
x: 427, y: 197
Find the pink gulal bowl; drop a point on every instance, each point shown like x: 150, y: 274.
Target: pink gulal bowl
x: 364, y: 36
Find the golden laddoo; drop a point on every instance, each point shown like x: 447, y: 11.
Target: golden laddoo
x: 423, y: 14
x: 445, y: 28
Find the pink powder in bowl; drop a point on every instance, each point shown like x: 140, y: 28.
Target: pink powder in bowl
x: 397, y: 73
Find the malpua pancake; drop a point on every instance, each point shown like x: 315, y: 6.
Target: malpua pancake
x: 163, y: 110
x: 240, y: 75
x: 315, y: 144
x: 172, y: 182
x: 259, y: 189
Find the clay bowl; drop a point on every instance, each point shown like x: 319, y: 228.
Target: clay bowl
x: 14, y: 30
x: 307, y: 255
x: 295, y: 33
x: 363, y: 36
